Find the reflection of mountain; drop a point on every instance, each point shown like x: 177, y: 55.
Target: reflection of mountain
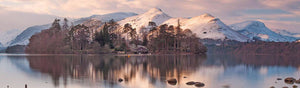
x: 110, y: 69
x: 21, y: 63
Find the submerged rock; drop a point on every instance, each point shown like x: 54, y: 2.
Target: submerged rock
x: 199, y: 84
x: 172, y: 81
x: 272, y: 87
x: 190, y: 83
x: 279, y: 78
x: 289, y: 80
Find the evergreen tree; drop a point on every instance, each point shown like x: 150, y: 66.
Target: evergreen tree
x: 145, y: 40
x: 65, y: 24
x: 104, y: 37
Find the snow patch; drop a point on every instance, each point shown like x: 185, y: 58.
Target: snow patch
x: 263, y: 36
x: 153, y: 15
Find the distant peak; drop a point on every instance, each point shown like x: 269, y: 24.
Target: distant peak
x: 256, y: 23
x: 207, y: 15
x: 155, y: 10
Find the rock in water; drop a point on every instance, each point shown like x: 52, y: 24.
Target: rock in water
x: 297, y: 81
x: 120, y: 80
x: 226, y: 86
x: 289, y: 80
x: 272, y: 87
x: 172, y: 81
x: 294, y: 86
x: 279, y: 78
x: 199, y: 84
x: 190, y: 83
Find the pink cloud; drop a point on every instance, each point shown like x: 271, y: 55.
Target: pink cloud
x: 228, y: 10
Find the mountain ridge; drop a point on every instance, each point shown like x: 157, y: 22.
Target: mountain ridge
x: 258, y: 30
x: 23, y: 38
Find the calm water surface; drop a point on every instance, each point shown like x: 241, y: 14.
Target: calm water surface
x: 103, y: 71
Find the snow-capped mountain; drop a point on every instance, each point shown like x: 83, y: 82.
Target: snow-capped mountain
x: 153, y: 15
x: 208, y: 26
x: 258, y: 30
x: 23, y: 38
x: 287, y: 33
x: 106, y: 17
x: 205, y: 26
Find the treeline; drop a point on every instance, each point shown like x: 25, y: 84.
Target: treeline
x: 67, y: 39
x: 256, y: 48
x: 98, y: 37
x: 164, y: 39
x: 171, y: 39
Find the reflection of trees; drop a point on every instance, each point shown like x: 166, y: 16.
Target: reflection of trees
x: 111, y: 68
x: 253, y: 60
x: 164, y: 67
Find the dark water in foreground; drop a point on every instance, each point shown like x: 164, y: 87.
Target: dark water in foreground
x: 103, y: 71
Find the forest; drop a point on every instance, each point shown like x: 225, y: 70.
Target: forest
x: 96, y: 37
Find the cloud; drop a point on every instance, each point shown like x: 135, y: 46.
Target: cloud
x: 289, y: 5
x: 230, y: 11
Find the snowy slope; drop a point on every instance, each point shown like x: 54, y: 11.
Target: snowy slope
x: 8, y: 35
x: 106, y: 17
x: 207, y: 26
x: 23, y: 38
x: 1, y: 45
x: 153, y: 15
x: 256, y: 29
x: 287, y: 33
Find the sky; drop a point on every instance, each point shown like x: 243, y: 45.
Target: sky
x: 276, y: 14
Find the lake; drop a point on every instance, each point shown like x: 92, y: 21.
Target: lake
x: 151, y: 71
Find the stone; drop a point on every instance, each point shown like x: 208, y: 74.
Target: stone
x: 172, y: 81
x: 279, y: 78
x: 199, y: 84
x: 289, y: 80
x: 184, y: 77
x: 226, y: 86
x: 190, y: 83
x: 272, y: 87
x: 294, y: 86
x: 120, y: 80
x: 297, y: 81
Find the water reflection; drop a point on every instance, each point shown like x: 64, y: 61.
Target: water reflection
x: 100, y: 71
x: 155, y: 69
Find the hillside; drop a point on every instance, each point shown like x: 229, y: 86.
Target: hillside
x: 258, y: 30
x: 208, y: 26
x: 153, y: 15
x: 23, y: 38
